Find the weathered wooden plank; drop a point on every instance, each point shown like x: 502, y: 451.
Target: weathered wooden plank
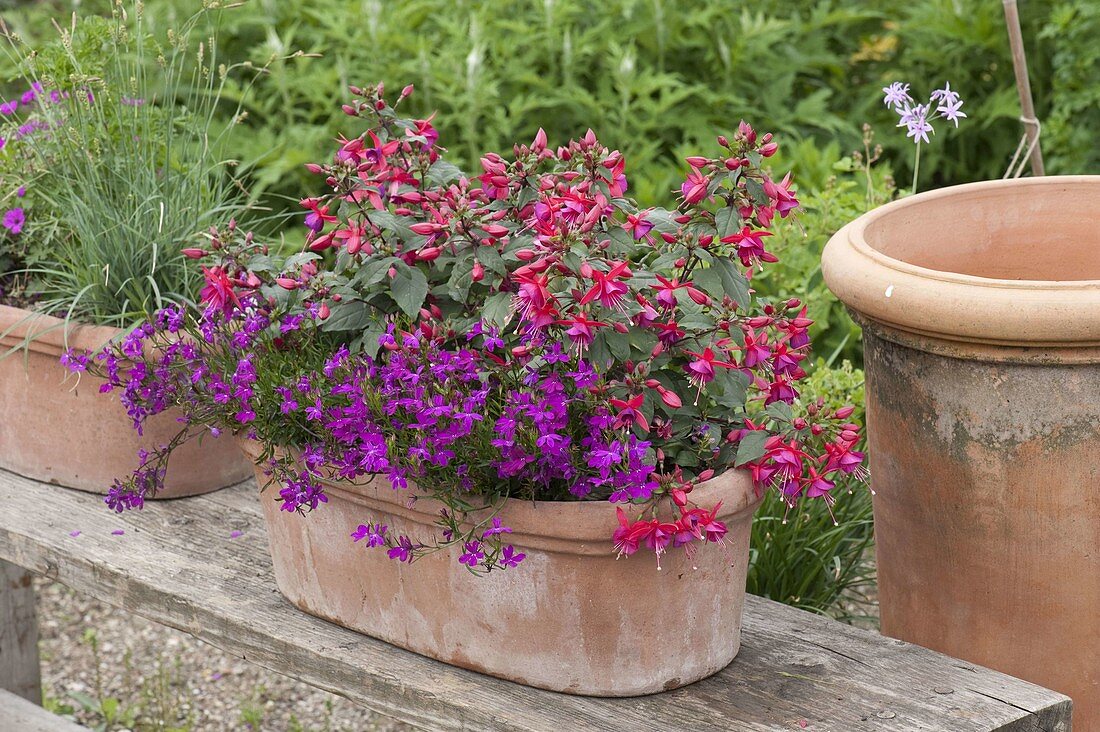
x: 19, y: 715
x: 178, y: 564
x: 19, y: 669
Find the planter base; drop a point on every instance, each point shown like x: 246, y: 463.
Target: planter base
x: 569, y: 618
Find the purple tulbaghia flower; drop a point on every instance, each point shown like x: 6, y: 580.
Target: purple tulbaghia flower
x: 915, y: 120
x: 945, y: 95
x: 8, y: 108
x: 950, y: 110
x: 14, y: 220
x: 896, y: 95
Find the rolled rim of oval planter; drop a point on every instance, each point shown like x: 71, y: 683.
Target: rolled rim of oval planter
x: 47, y: 334
x: 588, y: 525
x: 995, y: 269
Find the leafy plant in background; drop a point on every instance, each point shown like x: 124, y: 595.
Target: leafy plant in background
x: 125, y: 159
x: 1069, y: 137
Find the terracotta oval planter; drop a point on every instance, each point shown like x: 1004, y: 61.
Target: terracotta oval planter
x: 980, y: 307
x: 570, y: 618
x: 58, y: 429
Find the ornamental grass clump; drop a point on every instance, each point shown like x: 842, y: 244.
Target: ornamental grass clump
x: 525, y: 333
x: 120, y: 141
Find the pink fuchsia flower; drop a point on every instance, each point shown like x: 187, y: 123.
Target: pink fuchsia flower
x: 14, y: 220
x: 423, y: 128
x: 606, y: 287
x: 702, y: 368
x: 750, y: 246
x: 534, y: 302
x: 581, y: 331
x: 694, y: 188
x: 638, y: 226
x: 318, y: 215
x: 219, y: 291
x: 630, y: 412
x: 781, y: 194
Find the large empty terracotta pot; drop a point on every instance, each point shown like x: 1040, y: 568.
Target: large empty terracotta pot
x: 569, y: 618
x: 980, y: 307
x: 60, y: 429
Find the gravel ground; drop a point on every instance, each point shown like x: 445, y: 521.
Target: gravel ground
x: 99, y: 661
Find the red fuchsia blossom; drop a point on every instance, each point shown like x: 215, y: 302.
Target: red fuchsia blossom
x: 606, y: 287
x: 219, y: 291
x: 694, y: 187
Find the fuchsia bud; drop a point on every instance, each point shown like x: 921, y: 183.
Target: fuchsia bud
x: 191, y: 253
x: 525, y: 255
x: 287, y: 283
x: 845, y: 412
x: 350, y: 110
x: 540, y: 141
x: 323, y: 312
x: 478, y: 272
x: 406, y: 91
x: 723, y: 141
x: 314, y: 168
x: 697, y: 161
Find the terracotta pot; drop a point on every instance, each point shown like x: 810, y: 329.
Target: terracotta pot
x: 60, y: 429
x: 980, y: 307
x: 569, y: 618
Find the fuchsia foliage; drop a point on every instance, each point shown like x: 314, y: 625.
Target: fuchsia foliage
x: 612, y: 352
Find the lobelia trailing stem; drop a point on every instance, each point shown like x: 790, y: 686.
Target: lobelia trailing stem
x: 528, y: 333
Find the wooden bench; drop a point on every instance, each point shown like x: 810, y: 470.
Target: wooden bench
x: 179, y: 564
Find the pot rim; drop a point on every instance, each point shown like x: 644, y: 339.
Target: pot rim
x: 49, y: 334
x: 549, y: 525
x: 951, y: 306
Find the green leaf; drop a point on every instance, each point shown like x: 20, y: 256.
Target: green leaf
x: 751, y: 447
x: 727, y: 221
x: 490, y: 257
x: 498, y: 309
x: 409, y: 288
x: 458, y: 286
x: 347, y: 315
x: 441, y: 173
x: 780, y: 412
x: 756, y: 190
x: 734, y: 283
x: 709, y: 281
x: 373, y: 271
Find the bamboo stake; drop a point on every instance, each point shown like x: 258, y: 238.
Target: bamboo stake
x: 1023, y: 85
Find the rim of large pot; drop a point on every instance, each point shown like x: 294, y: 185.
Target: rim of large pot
x: 969, y: 308
x: 48, y: 334
x: 577, y: 527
